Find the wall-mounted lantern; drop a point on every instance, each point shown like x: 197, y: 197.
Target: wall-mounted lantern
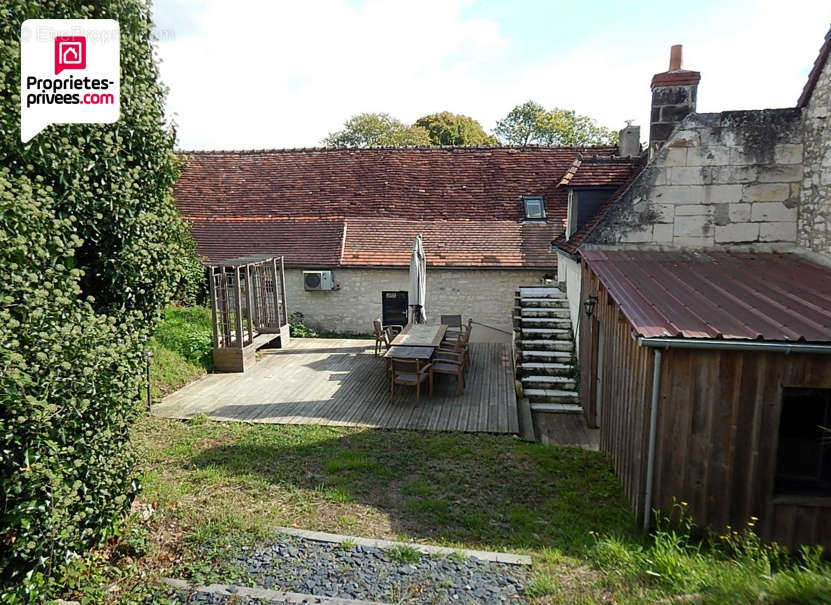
x: 589, y: 304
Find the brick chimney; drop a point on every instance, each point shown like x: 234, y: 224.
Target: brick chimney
x: 674, y: 94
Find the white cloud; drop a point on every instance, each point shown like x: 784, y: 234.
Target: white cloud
x: 253, y: 74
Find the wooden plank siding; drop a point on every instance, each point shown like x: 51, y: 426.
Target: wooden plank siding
x: 625, y: 391
x: 718, y: 428
x: 718, y: 425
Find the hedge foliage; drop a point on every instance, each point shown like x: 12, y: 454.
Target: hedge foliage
x: 91, y: 249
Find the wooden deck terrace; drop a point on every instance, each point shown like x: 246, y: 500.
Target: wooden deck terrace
x: 340, y: 382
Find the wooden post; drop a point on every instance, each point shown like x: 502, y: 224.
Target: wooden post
x: 260, y: 300
x: 226, y: 307
x: 283, y: 289
x: 251, y: 309
x: 276, y: 292
x: 214, y: 304
x: 238, y: 294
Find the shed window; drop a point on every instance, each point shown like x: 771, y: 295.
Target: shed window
x: 534, y: 208
x: 803, y: 461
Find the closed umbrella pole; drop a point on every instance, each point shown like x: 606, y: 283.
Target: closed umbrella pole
x: 418, y: 282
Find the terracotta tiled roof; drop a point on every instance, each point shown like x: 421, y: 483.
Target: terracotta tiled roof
x: 468, y: 200
x: 480, y: 243
x: 813, y: 77
x: 420, y: 183
x: 571, y: 244
x: 710, y: 294
x: 599, y: 172
x: 302, y: 243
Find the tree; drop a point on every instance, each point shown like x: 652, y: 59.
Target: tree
x: 532, y: 123
x: 92, y: 247
x: 447, y: 128
x: 376, y: 129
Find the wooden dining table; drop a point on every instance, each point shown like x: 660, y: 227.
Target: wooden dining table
x: 420, y: 335
x: 409, y: 353
x: 415, y: 342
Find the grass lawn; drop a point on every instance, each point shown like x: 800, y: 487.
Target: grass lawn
x: 226, y: 484
x: 216, y: 487
x: 181, y: 349
x: 211, y: 488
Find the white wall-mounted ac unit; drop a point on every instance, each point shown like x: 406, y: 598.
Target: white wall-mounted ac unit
x: 318, y: 280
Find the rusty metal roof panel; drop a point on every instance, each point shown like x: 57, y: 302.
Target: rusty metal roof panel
x: 712, y: 294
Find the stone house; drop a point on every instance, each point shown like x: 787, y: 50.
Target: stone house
x: 701, y: 295
x: 487, y: 216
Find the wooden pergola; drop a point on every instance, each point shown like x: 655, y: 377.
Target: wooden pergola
x: 248, y: 305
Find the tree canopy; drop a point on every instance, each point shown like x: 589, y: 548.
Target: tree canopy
x: 445, y: 128
x: 531, y: 123
x: 376, y: 129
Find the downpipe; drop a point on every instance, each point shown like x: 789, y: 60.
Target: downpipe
x: 653, y: 434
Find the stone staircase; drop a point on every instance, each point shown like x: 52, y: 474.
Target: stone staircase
x: 545, y: 346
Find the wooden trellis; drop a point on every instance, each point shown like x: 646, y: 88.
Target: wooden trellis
x: 248, y: 302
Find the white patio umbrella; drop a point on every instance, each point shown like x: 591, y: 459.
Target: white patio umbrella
x: 418, y: 282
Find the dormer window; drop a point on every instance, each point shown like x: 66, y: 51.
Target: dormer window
x: 534, y: 208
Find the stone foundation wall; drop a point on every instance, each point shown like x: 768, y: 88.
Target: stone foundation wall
x: 487, y: 296
x: 722, y: 180
x: 814, y: 231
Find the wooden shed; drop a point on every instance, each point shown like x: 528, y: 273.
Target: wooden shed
x: 709, y: 375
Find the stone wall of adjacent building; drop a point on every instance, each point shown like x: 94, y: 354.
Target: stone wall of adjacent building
x: 569, y: 278
x: 486, y: 295
x: 726, y: 179
x: 814, y: 229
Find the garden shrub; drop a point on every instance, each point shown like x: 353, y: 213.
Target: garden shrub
x: 91, y: 249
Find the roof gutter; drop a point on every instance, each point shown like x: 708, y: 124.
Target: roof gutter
x: 734, y: 345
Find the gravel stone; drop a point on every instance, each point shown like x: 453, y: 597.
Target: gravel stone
x: 293, y: 564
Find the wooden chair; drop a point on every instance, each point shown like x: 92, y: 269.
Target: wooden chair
x: 451, y: 335
x: 410, y: 372
x: 453, y: 323
x: 451, y: 363
x: 384, y: 334
x: 459, y: 345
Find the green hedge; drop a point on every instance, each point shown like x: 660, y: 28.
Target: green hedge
x: 91, y: 249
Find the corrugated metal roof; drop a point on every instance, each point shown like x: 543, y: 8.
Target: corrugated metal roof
x: 709, y: 294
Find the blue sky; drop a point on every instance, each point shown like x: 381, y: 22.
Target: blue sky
x: 269, y: 74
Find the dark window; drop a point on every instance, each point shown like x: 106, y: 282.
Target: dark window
x: 803, y: 461
x: 588, y: 202
x: 534, y: 208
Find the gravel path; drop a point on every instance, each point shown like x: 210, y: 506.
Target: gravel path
x: 361, y: 572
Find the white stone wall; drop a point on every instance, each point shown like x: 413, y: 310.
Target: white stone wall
x: 722, y: 180
x: 569, y: 277
x: 485, y: 295
x: 814, y: 230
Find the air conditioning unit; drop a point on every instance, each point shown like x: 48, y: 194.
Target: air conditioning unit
x: 318, y: 280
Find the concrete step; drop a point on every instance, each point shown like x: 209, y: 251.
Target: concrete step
x: 541, y: 295
x: 553, y: 312
x: 541, y: 303
x: 545, y: 322
x: 544, y: 355
x: 544, y: 344
x: 552, y: 395
x: 556, y: 408
x: 541, y: 381
x: 537, y: 368
x: 529, y: 333
x: 538, y: 290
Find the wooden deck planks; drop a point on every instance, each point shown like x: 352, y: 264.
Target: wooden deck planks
x: 341, y: 383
